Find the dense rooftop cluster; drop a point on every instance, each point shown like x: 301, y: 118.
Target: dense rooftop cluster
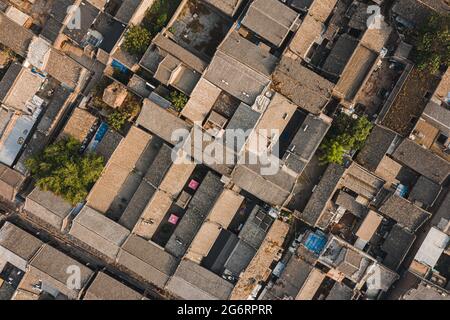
x: 100, y: 169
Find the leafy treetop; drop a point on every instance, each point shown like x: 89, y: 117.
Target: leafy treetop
x: 433, y: 47
x: 345, y: 134
x: 61, y: 169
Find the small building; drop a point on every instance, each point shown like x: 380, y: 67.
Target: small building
x: 241, y: 68
x: 434, y: 245
x: 17, y: 38
x: 17, y: 246
x: 115, y: 94
x: 48, y: 208
x: 201, y: 101
x: 367, y: 229
x: 66, y: 70
x: 98, y: 232
x: 422, y: 161
x: 50, y: 271
x: 86, y: 14
x: 302, y: 86
x: 396, y: 246
x: 199, y: 207
x: 229, y: 7
x: 79, y: 125
x: 378, y: 144
x: 10, y: 182
x: 193, y: 282
x: 340, y: 291
x: 404, y: 212
x: 22, y: 91
x: 291, y: 281
x: 271, y: 20
x: 172, y: 64
x: 105, y: 287
x: 424, y: 192
x: 322, y: 194
x: 259, y: 269
x: 146, y: 260
x: 161, y: 122
x: 425, y: 291
x: 118, y: 168
x: 9, y: 78
x: 219, y: 218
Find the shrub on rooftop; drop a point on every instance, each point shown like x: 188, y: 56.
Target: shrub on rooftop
x: 178, y: 100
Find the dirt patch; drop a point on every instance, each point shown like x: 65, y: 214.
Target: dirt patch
x: 410, y: 102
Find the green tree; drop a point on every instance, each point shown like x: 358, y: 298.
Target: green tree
x: 137, y: 39
x: 333, y: 152
x: 178, y: 100
x: 346, y: 134
x: 121, y: 115
x: 61, y: 169
x: 433, y: 47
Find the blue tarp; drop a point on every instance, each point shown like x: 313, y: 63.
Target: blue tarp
x: 101, y: 131
x: 316, y: 242
x: 117, y: 65
x: 401, y: 190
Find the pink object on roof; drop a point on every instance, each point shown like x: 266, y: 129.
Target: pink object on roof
x: 193, y: 184
x: 173, y: 219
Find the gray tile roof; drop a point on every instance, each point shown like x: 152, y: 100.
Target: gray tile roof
x: 256, y: 227
x: 340, y: 54
x: 273, y: 189
x: 99, y: 232
x: 323, y: 192
x: 249, y: 54
x: 51, y: 267
x: 438, y: 115
x: 302, y: 86
x: 193, y: 282
x: 48, y: 207
x: 424, y: 191
x: 270, y: 19
x: 127, y: 9
x: 240, y: 257
x: 305, y: 142
x: 236, y: 78
x: 17, y: 38
x: 105, y: 287
x: 376, y: 146
x: 404, y: 212
x: 51, y: 29
x: 137, y: 205
x: 18, y: 241
x: 340, y: 291
x: 147, y: 260
x: 52, y: 109
x: 422, y: 161
x: 291, y: 280
x: 349, y: 202
x: 396, y: 246
x: 59, y: 9
x: 88, y: 13
x: 198, y: 208
x: 8, y: 79
x: 108, y: 144
x: 160, y: 121
x: 159, y: 167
